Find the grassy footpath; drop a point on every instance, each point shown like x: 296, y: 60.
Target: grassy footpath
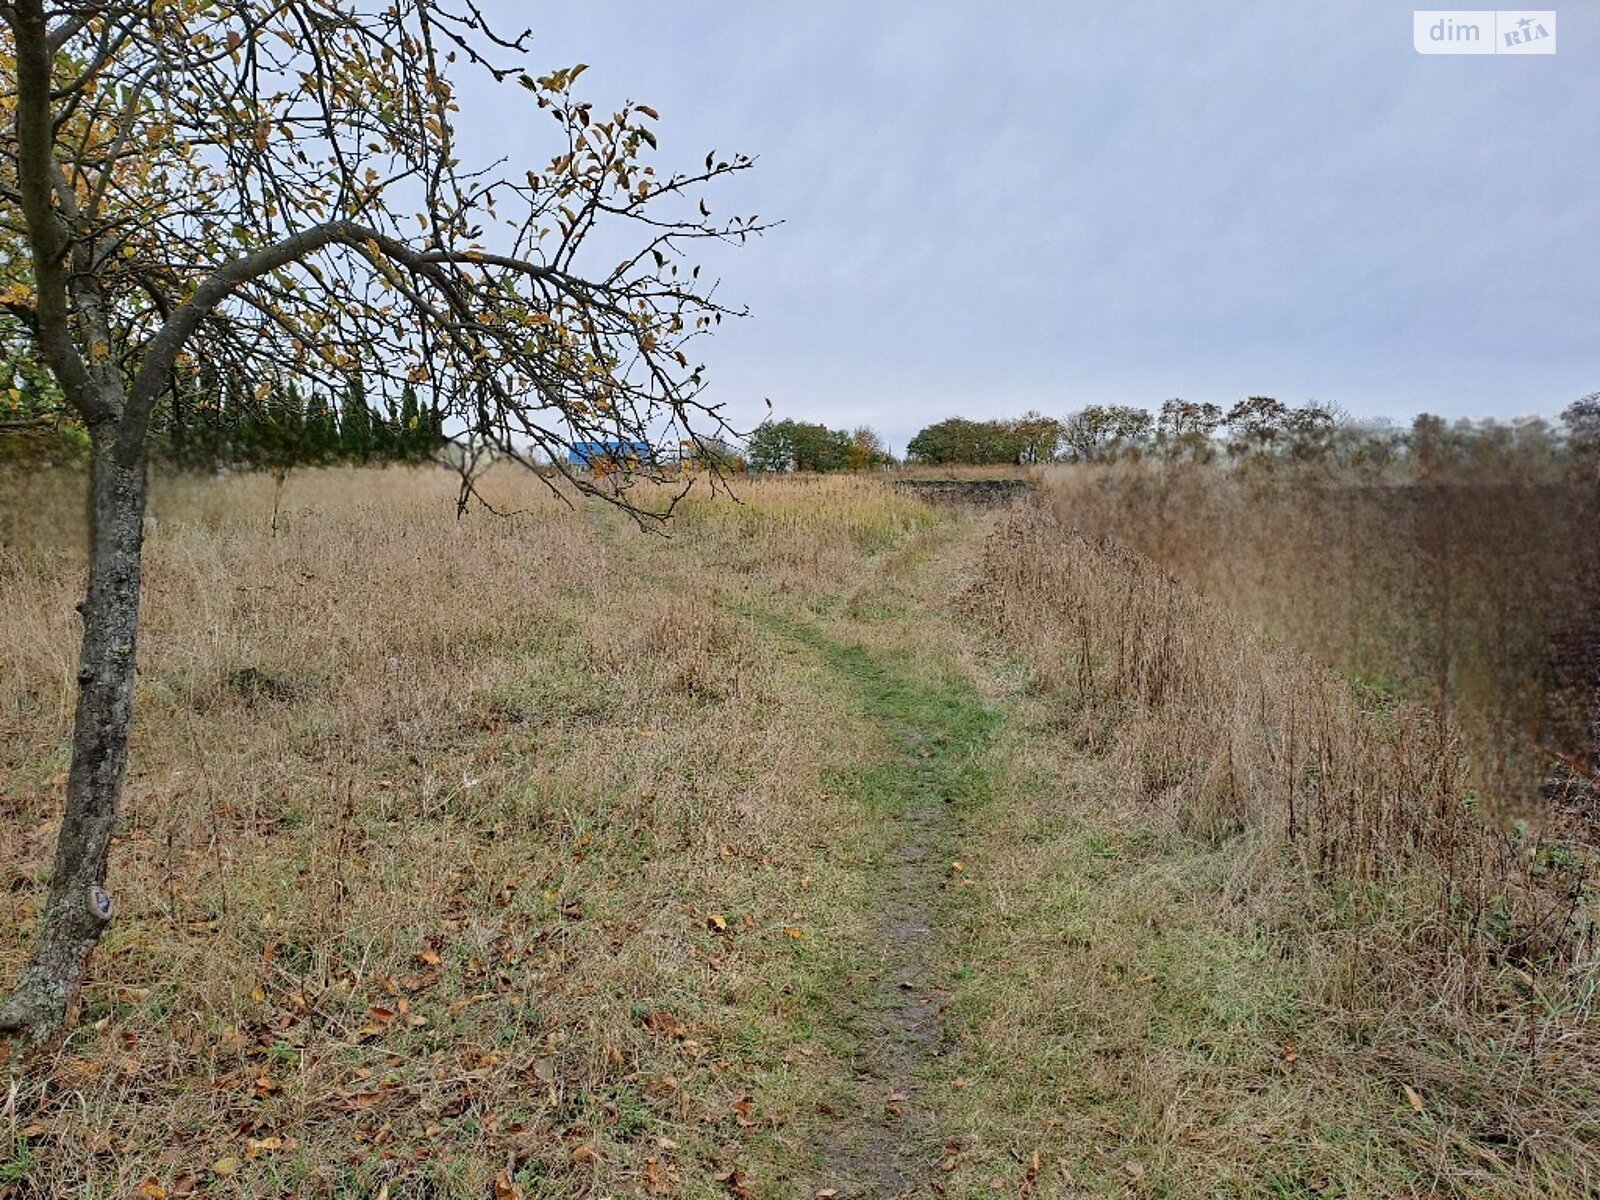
x: 931, y: 772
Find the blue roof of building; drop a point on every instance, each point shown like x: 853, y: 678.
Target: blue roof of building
x: 585, y: 453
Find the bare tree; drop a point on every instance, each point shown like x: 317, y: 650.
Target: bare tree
x: 1582, y: 421
x: 1184, y: 428
x: 1103, y: 432
x: 1257, y: 424
x: 273, y: 188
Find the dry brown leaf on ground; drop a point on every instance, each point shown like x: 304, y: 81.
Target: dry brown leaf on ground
x: 659, y: 1177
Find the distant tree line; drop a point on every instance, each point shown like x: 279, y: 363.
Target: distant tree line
x: 1257, y: 429
x: 790, y: 445
x: 211, y: 422
x: 1108, y: 432
x: 1031, y: 438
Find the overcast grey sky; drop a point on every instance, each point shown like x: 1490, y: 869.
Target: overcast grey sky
x: 1003, y: 206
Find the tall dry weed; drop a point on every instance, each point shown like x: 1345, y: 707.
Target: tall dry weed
x: 1474, y: 596
x: 1201, y: 716
x: 1440, y: 949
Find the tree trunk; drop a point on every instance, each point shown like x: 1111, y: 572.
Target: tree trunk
x: 43, y: 1004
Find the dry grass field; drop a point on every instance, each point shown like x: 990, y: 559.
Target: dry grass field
x: 836, y: 845
x: 1472, y: 590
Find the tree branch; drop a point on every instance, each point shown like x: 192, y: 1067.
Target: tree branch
x: 47, y: 236
x: 162, y: 352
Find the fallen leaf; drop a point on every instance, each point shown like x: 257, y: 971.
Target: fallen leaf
x: 505, y: 1188
x: 1413, y: 1097
x: 657, y: 1177
x: 378, y: 1023
x: 717, y: 923
x: 664, y: 1023
x: 1028, y: 1185
x: 225, y: 1167
x: 586, y: 1153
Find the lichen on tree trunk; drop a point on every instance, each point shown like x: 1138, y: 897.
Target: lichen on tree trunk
x: 78, y: 908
